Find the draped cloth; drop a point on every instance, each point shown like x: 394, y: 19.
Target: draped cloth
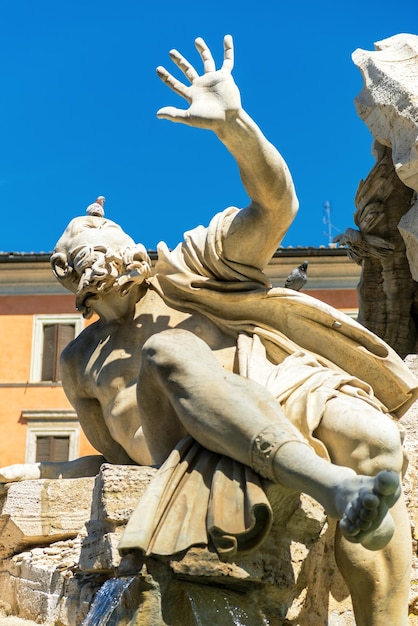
x: 301, y: 349
x: 196, y: 276
x: 195, y: 495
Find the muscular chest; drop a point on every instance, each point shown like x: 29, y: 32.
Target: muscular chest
x: 114, y: 360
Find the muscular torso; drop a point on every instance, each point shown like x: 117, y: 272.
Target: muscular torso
x: 103, y: 363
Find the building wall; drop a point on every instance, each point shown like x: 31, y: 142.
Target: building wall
x: 19, y: 397
x: 28, y: 289
x: 332, y: 277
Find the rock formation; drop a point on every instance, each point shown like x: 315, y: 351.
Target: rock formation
x: 386, y: 242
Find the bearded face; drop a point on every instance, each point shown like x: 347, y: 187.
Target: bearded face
x: 97, y: 269
x: 94, y: 257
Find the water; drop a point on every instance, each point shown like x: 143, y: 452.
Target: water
x: 197, y: 605
x: 107, y: 601
x: 222, y: 607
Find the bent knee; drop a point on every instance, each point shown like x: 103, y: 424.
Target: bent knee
x: 381, y: 448
x: 171, y: 347
x: 387, y: 436
x: 361, y: 437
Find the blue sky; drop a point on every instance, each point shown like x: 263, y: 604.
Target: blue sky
x: 80, y: 95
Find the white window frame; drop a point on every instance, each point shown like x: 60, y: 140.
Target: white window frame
x: 51, y: 423
x: 39, y: 321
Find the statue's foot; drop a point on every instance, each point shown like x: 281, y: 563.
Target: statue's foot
x: 19, y: 471
x: 366, y: 518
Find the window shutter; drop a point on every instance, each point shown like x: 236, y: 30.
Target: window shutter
x: 48, y: 352
x: 66, y: 333
x: 56, y: 337
x: 60, y: 448
x: 49, y: 448
x: 43, y: 449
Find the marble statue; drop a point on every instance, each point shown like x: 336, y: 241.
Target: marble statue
x: 204, y: 350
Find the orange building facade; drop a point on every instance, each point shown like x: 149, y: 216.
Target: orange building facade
x: 38, y: 317
x: 36, y: 420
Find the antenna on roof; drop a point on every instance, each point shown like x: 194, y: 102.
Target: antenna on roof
x: 328, y: 224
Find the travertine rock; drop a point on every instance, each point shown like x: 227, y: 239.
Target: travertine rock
x: 388, y: 102
x: 387, y: 292
x: 116, y: 493
x: 410, y: 424
x: 293, y: 572
x: 408, y: 227
x: 42, y: 511
x: 57, y: 581
x: 386, y: 243
x: 292, y: 579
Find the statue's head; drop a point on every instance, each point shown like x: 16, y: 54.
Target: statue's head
x: 95, y: 256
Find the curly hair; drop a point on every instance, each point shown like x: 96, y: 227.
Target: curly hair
x: 95, y: 255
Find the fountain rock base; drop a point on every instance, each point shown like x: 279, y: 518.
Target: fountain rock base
x: 58, y: 549
x: 52, y: 572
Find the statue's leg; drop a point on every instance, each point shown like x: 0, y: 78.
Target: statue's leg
x: 368, y: 441
x: 183, y: 389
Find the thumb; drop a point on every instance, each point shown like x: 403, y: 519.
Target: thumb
x: 174, y: 115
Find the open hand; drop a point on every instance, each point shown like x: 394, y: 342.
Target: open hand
x: 213, y: 96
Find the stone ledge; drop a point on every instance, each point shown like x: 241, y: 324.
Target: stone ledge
x: 43, y: 511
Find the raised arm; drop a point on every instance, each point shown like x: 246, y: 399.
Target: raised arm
x: 215, y: 104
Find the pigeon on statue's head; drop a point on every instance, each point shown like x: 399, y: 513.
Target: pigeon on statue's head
x: 97, y: 208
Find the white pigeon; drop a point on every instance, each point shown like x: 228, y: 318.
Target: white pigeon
x: 97, y: 208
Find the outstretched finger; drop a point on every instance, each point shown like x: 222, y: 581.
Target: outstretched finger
x: 206, y: 55
x: 186, y: 67
x: 173, y: 83
x: 228, y: 63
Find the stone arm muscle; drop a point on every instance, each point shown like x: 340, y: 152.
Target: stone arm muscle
x: 87, y: 407
x: 256, y: 231
x: 215, y: 104
x: 91, y: 419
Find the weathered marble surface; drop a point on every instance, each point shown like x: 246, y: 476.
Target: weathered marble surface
x: 387, y: 292
x: 293, y: 570
x: 408, y: 227
x: 291, y: 577
x: 33, y: 510
x: 388, y: 102
x: 386, y: 241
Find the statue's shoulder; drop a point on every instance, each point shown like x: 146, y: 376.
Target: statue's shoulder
x: 89, y: 337
x: 152, y: 303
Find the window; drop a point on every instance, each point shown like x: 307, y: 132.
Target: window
x: 52, y: 435
x: 56, y: 337
x: 51, y: 333
x: 52, y: 448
